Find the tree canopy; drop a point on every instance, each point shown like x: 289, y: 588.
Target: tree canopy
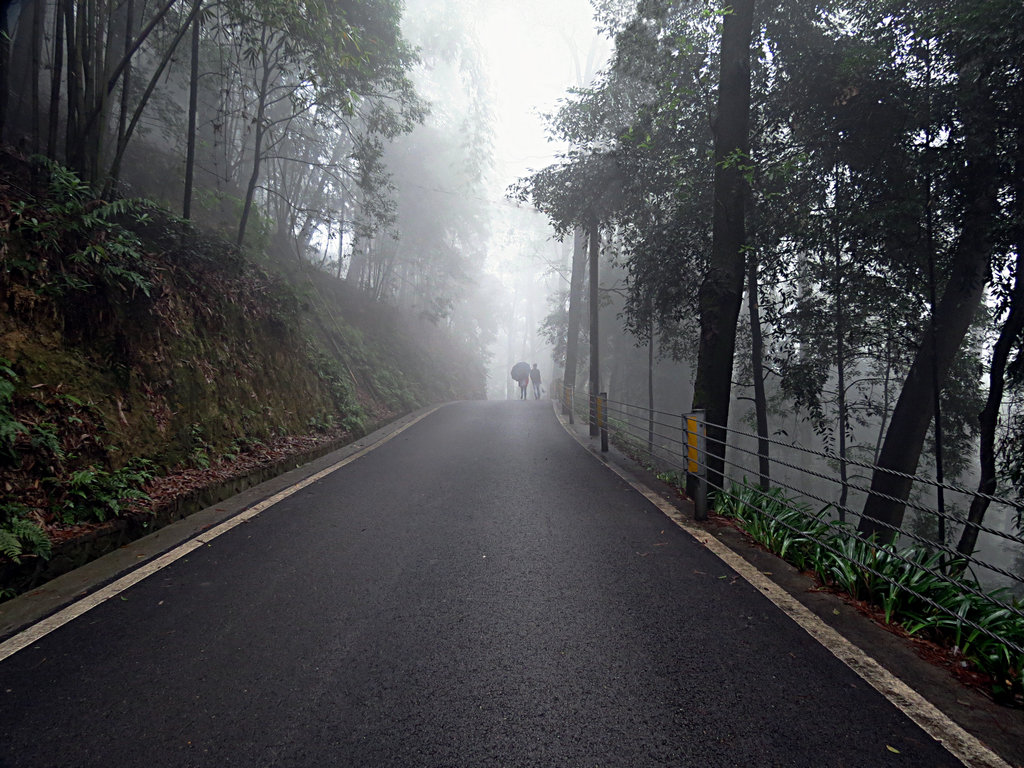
x: 875, y: 213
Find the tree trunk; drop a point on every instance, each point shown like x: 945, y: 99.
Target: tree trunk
x: 341, y: 234
x: 110, y: 78
x: 757, y: 368
x: 97, y: 97
x: 126, y: 82
x: 115, y: 167
x: 650, y: 385
x: 576, y: 278
x: 594, y: 233
x: 89, y: 38
x: 884, y: 509
x: 38, y: 17
x: 72, y: 103
x: 356, y: 267
x: 261, y: 128
x: 56, y: 74
x: 5, y: 58
x: 885, y: 400
x: 1009, y: 335
x: 840, y: 328
x: 193, y: 108
x: 722, y: 290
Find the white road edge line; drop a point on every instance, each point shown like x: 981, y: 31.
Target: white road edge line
x: 44, y: 627
x: 934, y: 722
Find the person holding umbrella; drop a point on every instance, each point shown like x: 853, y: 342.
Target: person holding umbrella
x: 521, y: 373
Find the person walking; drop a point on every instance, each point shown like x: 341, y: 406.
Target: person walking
x: 521, y: 375
x: 535, y: 378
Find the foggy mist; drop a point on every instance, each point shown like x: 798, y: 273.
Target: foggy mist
x: 799, y: 225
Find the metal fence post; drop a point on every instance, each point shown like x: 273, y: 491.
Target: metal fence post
x: 602, y: 419
x: 700, y: 499
x: 689, y: 454
x: 694, y: 447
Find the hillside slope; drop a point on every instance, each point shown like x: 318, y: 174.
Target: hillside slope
x: 143, y: 358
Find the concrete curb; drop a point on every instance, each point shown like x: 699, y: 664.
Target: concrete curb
x: 979, y: 732
x: 52, y: 596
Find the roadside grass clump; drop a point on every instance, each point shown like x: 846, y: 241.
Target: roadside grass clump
x: 909, y: 584
x: 19, y: 536
x: 782, y: 525
x: 620, y: 436
x: 674, y: 477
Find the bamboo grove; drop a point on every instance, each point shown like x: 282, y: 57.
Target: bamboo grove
x: 289, y: 126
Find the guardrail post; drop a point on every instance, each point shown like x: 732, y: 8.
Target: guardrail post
x: 700, y: 501
x: 602, y: 419
x: 695, y: 445
x: 689, y: 454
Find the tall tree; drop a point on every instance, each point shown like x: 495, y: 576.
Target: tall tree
x: 577, y: 277
x: 1010, y: 336
x: 5, y: 59
x: 594, y: 261
x: 977, y: 63
x: 722, y: 288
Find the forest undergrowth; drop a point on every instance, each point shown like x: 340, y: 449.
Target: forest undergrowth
x: 902, y: 588
x: 141, y: 359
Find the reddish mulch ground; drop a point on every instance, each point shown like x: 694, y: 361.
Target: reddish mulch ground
x: 166, y: 489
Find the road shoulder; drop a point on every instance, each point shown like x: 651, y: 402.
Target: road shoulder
x: 994, y: 727
x: 49, y: 598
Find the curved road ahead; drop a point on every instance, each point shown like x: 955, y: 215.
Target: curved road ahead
x: 478, y: 591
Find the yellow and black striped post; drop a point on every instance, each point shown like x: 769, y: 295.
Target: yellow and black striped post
x: 696, y: 462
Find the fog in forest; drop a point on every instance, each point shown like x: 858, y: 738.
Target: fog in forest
x: 822, y: 254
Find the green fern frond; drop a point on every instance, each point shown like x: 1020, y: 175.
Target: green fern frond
x: 10, y: 545
x: 20, y: 536
x: 33, y: 538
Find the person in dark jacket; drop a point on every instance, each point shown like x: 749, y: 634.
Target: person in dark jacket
x: 535, y: 378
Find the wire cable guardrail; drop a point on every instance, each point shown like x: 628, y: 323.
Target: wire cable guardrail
x: 890, y: 568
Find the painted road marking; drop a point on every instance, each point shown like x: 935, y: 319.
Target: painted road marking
x: 932, y: 721
x: 42, y: 628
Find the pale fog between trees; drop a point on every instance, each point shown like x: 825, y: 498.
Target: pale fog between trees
x: 822, y: 250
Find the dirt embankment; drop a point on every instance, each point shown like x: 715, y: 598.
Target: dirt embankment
x: 141, y: 355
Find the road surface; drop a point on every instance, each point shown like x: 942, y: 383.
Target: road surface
x: 478, y: 591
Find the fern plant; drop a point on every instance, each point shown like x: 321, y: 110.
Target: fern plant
x: 20, y: 537
x: 96, y: 494
x: 10, y: 427
x: 84, y: 232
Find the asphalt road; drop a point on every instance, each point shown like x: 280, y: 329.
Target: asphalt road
x: 479, y: 591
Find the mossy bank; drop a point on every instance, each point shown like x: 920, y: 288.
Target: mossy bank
x: 135, y: 348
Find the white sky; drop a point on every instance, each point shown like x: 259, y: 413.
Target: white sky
x: 535, y: 49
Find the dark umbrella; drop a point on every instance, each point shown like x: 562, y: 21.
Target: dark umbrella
x: 521, y: 371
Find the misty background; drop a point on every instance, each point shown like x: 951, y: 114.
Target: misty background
x: 445, y: 157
